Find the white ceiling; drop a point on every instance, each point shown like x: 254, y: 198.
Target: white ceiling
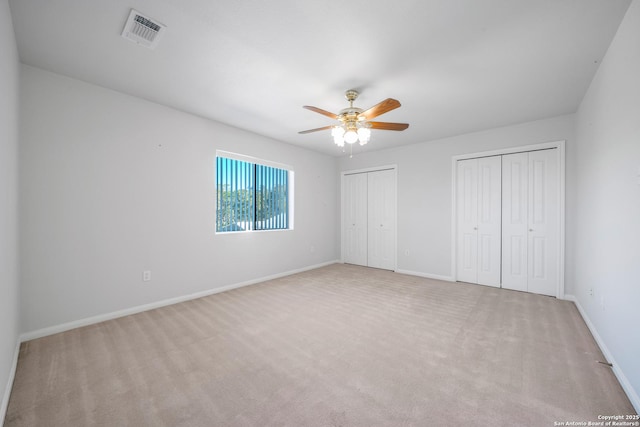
x: 456, y: 66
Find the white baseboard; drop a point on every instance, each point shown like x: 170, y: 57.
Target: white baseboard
x: 9, y: 386
x: 427, y: 275
x: 138, y: 309
x: 622, y: 378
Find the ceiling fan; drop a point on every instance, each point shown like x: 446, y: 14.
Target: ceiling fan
x: 355, y: 125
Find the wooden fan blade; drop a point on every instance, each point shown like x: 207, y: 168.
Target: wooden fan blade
x: 388, y: 126
x: 315, y: 130
x: 381, y: 108
x: 321, y: 111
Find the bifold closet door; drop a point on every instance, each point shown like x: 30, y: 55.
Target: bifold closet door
x: 479, y: 220
x: 515, y: 187
x: 530, y: 212
x: 381, y: 219
x: 369, y: 219
x: 355, y: 219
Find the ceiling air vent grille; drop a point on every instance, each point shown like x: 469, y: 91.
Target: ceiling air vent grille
x: 142, y: 30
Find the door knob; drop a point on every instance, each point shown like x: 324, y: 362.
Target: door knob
x: 475, y: 228
x: 531, y: 229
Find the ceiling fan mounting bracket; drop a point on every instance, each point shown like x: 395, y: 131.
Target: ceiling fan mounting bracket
x: 351, y: 95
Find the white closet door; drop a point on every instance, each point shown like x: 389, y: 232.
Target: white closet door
x: 489, y: 220
x: 515, y: 201
x: 543, y: 222
x: 530, y: 222
x: 467, y: 212
x: 354, y: 231
x: 381, y: 219
x: 479, y: 223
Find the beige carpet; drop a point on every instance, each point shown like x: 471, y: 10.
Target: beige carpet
x: 337, y: 346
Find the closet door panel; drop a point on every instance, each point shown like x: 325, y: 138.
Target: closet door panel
x: 543, y: 247
x: 514, y: 221
x: 478, y: 221
x: 467, y: 220
x: 489, y: 220
x: 355, y: 219
x: 381, y: 219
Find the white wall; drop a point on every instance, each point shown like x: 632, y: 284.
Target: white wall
x: 8, y: 202
x: 607, y: 220
x: 424, y: 185
x: 112, y: 185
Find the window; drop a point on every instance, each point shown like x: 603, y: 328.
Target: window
x: 252, y: 194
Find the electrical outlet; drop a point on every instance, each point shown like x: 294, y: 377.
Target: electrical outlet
x: 146, y: 276
x: 590, y: 292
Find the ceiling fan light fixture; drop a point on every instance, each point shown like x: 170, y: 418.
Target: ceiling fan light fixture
x: 364, y: 135
x: 337, y: 131
x: 350, y: 137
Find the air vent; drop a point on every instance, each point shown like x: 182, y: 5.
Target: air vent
x: 142, y: 30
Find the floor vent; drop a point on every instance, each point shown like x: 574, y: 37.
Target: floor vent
x: 142, y: 30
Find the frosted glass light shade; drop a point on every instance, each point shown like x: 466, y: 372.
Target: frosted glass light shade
x: 364, y: 134
x: 337, y: 131
x: 350, y: 137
